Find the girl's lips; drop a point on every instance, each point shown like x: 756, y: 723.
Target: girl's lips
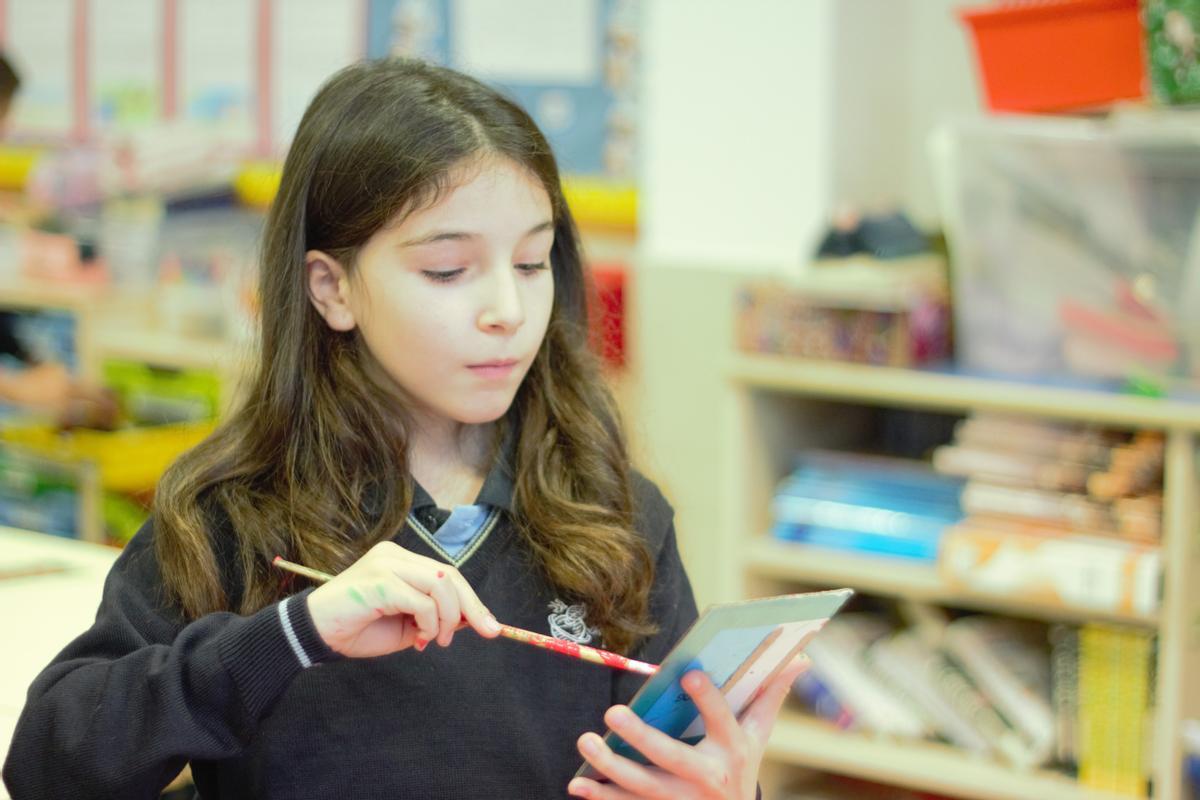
x: 493, y: 369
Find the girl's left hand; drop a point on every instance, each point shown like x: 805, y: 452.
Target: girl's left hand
x: 723, y: 765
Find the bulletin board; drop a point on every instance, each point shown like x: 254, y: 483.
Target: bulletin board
x: 251, y: 66
x: 571, y: 63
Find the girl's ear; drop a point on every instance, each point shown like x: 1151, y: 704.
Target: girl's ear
x: 328, y: 289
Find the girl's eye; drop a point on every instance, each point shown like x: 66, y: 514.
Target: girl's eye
x: 442, y: 275
x: 531, y: 267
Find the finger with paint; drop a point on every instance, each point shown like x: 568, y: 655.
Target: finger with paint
x: 392, y: 599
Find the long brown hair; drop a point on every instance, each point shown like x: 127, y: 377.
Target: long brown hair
x: 307, y: 465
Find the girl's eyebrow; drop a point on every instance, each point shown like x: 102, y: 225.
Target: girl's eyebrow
x: 459, y: 236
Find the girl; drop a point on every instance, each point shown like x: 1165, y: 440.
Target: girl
x: 423, y: 348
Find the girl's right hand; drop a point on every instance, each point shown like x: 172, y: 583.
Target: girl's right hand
x: 391, y: 599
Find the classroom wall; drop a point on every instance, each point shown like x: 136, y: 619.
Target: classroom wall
x: 735, y: 138
x: 942, y: 83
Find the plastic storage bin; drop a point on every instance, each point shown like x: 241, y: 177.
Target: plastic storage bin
x: 128, y: 460
x: 1075, y: 246
x: 1057, y: 55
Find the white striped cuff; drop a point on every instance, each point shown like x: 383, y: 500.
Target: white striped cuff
x: 290, y: 633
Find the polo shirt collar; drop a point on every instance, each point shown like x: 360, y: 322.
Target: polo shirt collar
x: 498, y: 485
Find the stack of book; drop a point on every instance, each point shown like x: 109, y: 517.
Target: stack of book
x: 1056, y: 513
x: 979, y: 683
x: 868, y: 504
x: 1073, y: 698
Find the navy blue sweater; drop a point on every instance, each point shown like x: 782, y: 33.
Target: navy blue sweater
x: 128, y: 703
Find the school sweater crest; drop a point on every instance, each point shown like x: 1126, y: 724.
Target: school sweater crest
x: 129, y: 702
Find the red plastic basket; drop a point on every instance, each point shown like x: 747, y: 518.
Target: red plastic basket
x: 1058, y: 55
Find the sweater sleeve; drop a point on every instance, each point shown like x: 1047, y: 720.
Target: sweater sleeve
x: 124, y: 706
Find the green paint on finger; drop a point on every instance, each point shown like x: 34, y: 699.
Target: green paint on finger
x: 381, y: 591
x: 358, y: 598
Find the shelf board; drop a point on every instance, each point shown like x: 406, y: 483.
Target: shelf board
x: 31, y: 294
x: 948, y: 392
x: 170, y: 350
x: 923, y: 766
x: 893, y: 577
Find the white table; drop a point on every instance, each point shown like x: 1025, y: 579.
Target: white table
x: 40, y: 614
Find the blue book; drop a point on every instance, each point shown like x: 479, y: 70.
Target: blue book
x: 832, y: 465
x: 921, y: 545
x: 799, y: 497
x: 934, y: 488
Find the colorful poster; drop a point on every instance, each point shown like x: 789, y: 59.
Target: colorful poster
x: 125, y: 62
x: 218, y: 65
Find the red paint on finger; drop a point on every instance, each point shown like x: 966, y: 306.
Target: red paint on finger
x: 441, y: 574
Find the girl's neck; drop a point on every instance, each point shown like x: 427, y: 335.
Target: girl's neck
x: 449, y: 460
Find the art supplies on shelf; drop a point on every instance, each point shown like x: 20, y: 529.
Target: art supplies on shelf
x: 878, y: 505
x: 858, y: 309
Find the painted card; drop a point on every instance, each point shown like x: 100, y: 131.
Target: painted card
x: 125, y: 62
x: 740, y: 646
x: 311, y: 40
x: 218, y: 66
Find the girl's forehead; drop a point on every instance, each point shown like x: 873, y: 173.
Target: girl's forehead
x: 490, y: 193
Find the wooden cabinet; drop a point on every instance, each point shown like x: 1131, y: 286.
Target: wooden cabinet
x: 783, y: 405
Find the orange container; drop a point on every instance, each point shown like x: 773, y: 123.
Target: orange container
x: 1058, y: 55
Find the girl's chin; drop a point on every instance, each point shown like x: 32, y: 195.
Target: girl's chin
x: 483, y: 414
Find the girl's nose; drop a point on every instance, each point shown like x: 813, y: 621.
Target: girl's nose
x: 502, y: 310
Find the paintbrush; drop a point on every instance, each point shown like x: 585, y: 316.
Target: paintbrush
x: 582, y: 652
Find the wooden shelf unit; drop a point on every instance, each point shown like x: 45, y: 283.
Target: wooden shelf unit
x: 770, y: 558
x: 781, y: 406
x: 116, y: 325
x: 926, y: 766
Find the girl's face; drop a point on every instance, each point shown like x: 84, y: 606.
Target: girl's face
x: 454, y: 301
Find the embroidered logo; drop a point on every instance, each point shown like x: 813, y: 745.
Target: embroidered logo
x: 569, y: 623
